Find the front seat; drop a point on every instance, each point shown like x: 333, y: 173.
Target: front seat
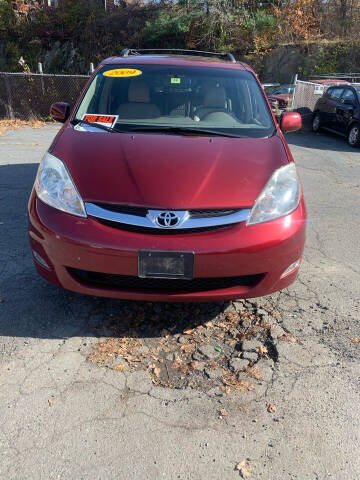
x: 214, y: 101
x: 139, y: 105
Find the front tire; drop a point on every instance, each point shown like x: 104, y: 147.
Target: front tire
x: 354, y: 135
x: 316, y: 123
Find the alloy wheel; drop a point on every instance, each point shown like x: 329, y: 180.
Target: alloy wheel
x: 316, y: 123
x: 354, y: 136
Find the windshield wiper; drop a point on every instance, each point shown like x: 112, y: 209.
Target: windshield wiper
x: 97, y: 125
x: 182, y: 131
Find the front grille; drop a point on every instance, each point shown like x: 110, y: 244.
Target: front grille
x: 126, y: 282
x: 160, y: 231
x: 142, y: 211
x: 125, y: 209
x: 212, y: 213
x: 129, y: 216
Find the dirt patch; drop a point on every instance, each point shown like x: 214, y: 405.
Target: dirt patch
x: 6, y: 125
x: 192, y: 345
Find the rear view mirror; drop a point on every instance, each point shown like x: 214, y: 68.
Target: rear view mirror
x: 60, y: 111
x: 290, y: 122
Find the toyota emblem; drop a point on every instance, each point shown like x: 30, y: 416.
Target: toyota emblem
x: 167, y: 219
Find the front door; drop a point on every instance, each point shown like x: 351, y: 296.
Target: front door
x: 345, y: 110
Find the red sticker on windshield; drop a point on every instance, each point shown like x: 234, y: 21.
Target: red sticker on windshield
x: 107, y: 120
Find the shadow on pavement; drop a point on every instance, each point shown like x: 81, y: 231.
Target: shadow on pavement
x: 320, y: 141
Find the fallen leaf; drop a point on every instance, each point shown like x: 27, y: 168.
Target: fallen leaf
x: 232, y: 316
x: 155, y: 370
x: 209, y: 323
x: 231, y: 381
x: 120, y: 367
x: 176, y: 365
x: 245, y: 468
x: 223, y: 412
x: 218, y: 349
x: 262, y: 350
x: 270, y: 407
x: 225, y: 389
x: 222, y: 325
x: 287, y: 338
x: 212, y: 365
x: 355, y: 340
x: 51, y: 403
x: 254, y: 372
x: 193, y: 364
x: 245, y: 386
x: 187, y: 347
x: 188, y: 331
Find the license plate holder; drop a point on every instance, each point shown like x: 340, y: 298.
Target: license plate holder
x: 161, y: 264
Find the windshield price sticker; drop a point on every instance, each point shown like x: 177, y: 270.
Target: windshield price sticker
x: 176, y: 80
x: 106, y: 120
x: 122, y: 73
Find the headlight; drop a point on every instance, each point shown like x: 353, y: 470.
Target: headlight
x: 280, y: 196
x: 55, y: 187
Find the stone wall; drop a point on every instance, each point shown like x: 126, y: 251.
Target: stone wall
x: 283, y: 62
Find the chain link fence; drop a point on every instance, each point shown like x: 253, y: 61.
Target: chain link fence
x: 306, y: 94
x: 29, y: 96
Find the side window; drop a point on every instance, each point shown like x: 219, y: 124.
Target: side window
x: 348, y: 94
x: 336, y: 93
x: 279, y: 91
x: 328, y: 92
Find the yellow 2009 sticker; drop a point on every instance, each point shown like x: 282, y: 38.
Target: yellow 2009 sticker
x: 122, y: 72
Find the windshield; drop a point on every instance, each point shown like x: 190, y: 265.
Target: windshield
x: 218, y: 100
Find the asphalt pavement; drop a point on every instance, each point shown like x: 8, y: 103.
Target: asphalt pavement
x: 83, y: 396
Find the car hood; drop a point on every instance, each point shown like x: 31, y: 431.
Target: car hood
x: 281, y: 96
x: 168, y: 171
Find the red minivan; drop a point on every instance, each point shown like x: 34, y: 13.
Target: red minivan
x: 170, y: 180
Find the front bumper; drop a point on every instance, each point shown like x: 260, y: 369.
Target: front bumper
x: 68, y: 243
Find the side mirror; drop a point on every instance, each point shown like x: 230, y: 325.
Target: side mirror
x: 290, y: 122
x: 60, y: 111
x: 348, y: 101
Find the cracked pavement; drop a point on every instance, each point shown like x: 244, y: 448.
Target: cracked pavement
x: 64, y: 417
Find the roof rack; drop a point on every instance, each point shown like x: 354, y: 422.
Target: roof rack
x: 177, y: 51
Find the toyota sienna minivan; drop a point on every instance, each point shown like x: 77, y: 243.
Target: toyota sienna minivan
x: 170, y: 180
